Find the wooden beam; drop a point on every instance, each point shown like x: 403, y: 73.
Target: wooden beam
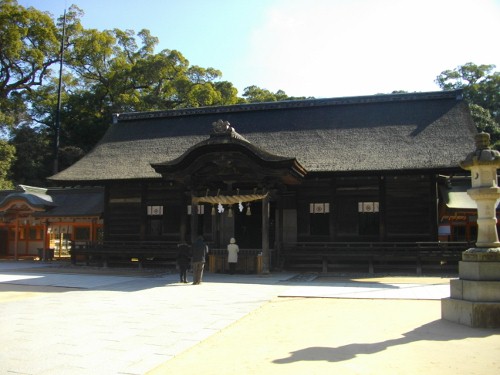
x: 265, y: 235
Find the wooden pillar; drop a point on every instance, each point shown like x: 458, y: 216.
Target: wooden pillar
x: 183, y: 223
x: 279, y: 243
x: 183, y: 228
x: 434, y: 203
x: 106, y: 216
x: 215, y: 227
x: 194, y: 218
x: 382, y: 208
x: 265, y: 235
x: 16, y: 237
x: 46, y: 238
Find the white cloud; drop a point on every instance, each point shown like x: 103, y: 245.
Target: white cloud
x: 327, y: 48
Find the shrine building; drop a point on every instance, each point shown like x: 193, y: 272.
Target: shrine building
x: 314, y: 181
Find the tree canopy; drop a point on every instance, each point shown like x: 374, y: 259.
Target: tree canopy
x: 7, y: 155
x: 481, y: 88
x: 105, y: 72
x: 480, y: 83
x: 28, y: 48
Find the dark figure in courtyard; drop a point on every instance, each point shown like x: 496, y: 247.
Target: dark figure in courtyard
x: 200, y: 250
x: 183, y: 260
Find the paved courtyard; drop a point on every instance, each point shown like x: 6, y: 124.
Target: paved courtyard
x: 65, y: 320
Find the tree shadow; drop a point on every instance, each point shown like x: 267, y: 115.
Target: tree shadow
x: 438, y: 330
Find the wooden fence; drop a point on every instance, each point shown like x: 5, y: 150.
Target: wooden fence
x: 314, y: 256
x: 327, y: 256
x: 140, y: 253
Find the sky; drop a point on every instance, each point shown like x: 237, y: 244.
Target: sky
x: 312, y: 48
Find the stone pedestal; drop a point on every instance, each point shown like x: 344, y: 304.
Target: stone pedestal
x: 475, y: 296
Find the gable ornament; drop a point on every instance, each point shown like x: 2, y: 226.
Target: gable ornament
x: 221, y: 127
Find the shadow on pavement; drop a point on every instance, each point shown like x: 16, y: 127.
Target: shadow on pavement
x: 438, y: 330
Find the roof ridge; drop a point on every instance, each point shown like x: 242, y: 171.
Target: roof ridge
x: 347, y: 100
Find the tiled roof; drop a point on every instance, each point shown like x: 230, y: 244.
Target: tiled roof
x: 356, y: 134
x: 59, y: 201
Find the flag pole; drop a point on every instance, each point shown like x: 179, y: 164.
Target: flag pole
x: 58, y: 111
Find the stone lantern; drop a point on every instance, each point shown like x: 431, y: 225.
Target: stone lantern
x: 475, y: 296
x: 483, y: 164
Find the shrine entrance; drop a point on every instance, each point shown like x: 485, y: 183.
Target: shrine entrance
x: 238, y: 180
x: 4, y: 241
x: 248, y: 226
x: 27, y: 232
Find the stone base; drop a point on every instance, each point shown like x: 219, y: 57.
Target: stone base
x: 472, y: 314
x: 475, y: 291
x: 484, y: 271
x: 481, y: 254
x: 475, y: 296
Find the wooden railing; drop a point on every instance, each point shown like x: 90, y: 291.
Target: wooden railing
x: 326, y: 255
x: 323, y: 256
x: 125, y: 252
x: 144, y: 253
x: 249, y: 260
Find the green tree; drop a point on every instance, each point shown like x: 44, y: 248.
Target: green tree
x: 255, y: 94
x: 105, y: 72
x: 115, y: 71
x: 486, y: 123
x: 481, y: 89
x: 29, y: 46
x: 7, y: 157
x: 69, y: 155
x: 34, y: 155
x: 128, y: 76
x: 480, y: 84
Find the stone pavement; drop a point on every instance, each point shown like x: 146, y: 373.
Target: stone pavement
x: 63, y: 320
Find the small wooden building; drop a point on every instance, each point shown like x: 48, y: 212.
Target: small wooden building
x: 309, y: 178
x: 458, y: 211
x: 46, y: 222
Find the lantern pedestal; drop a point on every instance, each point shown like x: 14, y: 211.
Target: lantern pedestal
x: 475, y: 296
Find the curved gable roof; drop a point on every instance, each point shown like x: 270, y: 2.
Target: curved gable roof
x: 239, y: 156
x: 31, y: 196
x: 381, y: 132
x: 54, y: 202
x: 220, y: 141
